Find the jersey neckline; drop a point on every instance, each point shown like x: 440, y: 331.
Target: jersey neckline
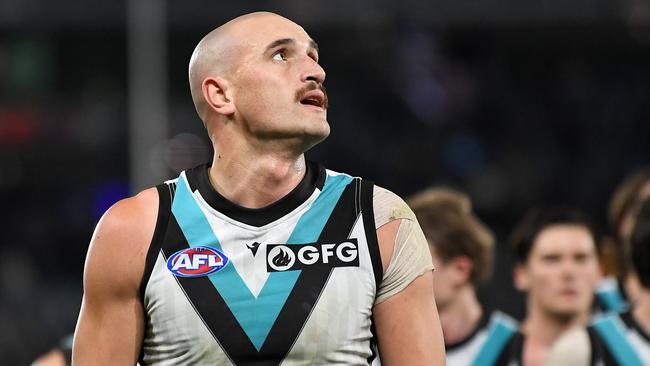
x: 482, y: 324
x: 198, y: 179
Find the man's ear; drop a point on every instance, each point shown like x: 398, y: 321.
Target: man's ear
x: 462, y: 268
x: 218, y: 95
x: 521, y: 278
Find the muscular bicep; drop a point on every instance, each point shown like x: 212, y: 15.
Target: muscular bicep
x: 109, y: 331
x: 408, y: 327
x: 405, y: 314
x: 111, y: 322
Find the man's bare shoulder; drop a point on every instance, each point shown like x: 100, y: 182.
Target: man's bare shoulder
x: 390, y: 210
x: 122, y: 237
x: 143, y: 205
x: 132, y: 218
x: 388, y: 207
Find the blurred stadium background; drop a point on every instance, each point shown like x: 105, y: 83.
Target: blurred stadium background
x: 516, y: 102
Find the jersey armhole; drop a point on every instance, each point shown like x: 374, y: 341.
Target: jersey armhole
x: 165, y: 198
x: 368, y: 213
x: 367, y: 209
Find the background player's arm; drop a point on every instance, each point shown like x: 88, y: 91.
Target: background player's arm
x: 111, y: 322
x: 407, y: 323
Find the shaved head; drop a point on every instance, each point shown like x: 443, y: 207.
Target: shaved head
x: 218, y: 53
x: 257, y: 78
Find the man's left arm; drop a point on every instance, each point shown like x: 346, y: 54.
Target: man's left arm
x: 407, y: 323
x: 406, y: 319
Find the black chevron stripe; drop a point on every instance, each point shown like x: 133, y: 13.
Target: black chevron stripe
x: 209, y: 305
x: 311, y: 283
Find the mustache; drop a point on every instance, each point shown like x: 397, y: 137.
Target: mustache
x: 300, y: 94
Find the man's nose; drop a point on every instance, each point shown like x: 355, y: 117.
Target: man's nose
x: 569, y: 269
x: 313, y: 71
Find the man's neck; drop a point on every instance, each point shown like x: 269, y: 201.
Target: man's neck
x: 256, y: 180
x: 461, y: 316
x: 542, y: 329
x: 641, y: 312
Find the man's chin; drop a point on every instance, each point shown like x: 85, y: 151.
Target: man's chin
x: 318, y: 132
x: 315, y: 138
x: 566, y: 313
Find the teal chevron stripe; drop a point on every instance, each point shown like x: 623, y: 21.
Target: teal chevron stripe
x: 613, y: 332
x: 612, y: 300
x: 255, y: 315
x: 499, y: 333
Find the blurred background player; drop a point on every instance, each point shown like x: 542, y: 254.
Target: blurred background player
x: 617, y: 339
x: 462, y: 248
x: 624, y: 338
x: 620, y: 285
x: 557, y: 267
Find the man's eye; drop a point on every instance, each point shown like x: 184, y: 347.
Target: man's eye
x: 551, y: 259
x: 279, y: 56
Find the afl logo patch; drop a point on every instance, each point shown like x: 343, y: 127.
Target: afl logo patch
x: 196, y: 262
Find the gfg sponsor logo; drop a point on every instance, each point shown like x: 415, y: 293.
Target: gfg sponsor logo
x: 290, y: 257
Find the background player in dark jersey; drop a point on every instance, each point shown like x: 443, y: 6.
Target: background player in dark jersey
x: 462, y: 248
x: 619, y: 286
x: 615, y: 339
x: 557, y: 267
x: 624, y: 339
x: 258, y: 88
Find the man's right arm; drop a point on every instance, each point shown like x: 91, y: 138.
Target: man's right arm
x: 111, y: 322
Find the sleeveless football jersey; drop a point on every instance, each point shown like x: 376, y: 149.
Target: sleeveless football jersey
x: 617, y: 339
x: 485, y: 344
x: 610, y: 296
x: 489, y: 344
x: 293, y: 283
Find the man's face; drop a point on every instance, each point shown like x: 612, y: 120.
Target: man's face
x: 449, y: 277
x: 561, y: 271
x: 277, y: 85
